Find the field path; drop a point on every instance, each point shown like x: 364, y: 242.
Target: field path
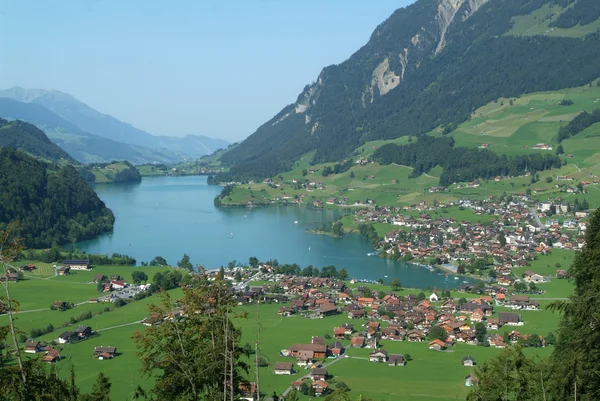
x: 43, y: 309
x: 119, y: 326
x: 306, y: 376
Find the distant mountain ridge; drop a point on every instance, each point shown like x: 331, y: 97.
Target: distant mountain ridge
x: 428, y: 65
x: 83, y: 119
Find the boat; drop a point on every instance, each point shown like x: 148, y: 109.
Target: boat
x: 295, y: 221
x: 385, y: 275
x: 465, y: 282
x: 371, y: 254
x: 456, y: 278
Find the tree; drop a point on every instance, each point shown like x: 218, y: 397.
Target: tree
x: 100, y: 390
x: 336, y: 229
x: 253, y: 261
x: 548, y: 179
x: 480, y: 332
x: 237, y: 276
x: 138, y: 277
x: 396, y: 285
x: 462, y: 301
x: 343, y: 274
x: 501, y: 239
x: 550, y: 339
x: 292, y: 396
x: 437, y: 333
x: 421, y: 296
x: 575, y: 355
x: 158, y: 261
x: 185, y: 263
x: 352, y: 174
x: 197, y: 357
x: 221, y: 274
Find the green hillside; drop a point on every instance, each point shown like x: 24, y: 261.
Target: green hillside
x: 108, y: 173
x: 26, y: 137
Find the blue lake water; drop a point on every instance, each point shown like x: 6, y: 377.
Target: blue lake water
x: 170, y: 216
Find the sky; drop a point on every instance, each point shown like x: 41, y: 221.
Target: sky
x: 219, y: 68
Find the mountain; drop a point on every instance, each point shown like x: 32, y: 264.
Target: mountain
x: 106, y: 126
x: 28, y: 138
x: 84, y: 147
x: 51, y: 206
x: 428, y: 65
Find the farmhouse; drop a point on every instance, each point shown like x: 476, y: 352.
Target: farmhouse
x: 468, y: 361
x: 103, y: 353
x: 471, y: 380
x: 319, y: 350
x: 396, y: 360
x: 532, y: 277
x: 357, y: 342
x: 378, y: 356
x: 83, y: 332
x: 67, y: 337
x: 283, y: 368
x: 63, y: 271
x: 77, y: 264
x: 511, y: 319
x: 318, y: 374
x: 51, y: 356
x: 320, y: 387
x: 32, y: 346
x: 59, y: 305
x: 305, y: 358
x: 437, y: 345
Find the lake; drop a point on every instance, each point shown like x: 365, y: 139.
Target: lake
x: 170, y: 216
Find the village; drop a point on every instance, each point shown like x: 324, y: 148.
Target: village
x: 512, y: 237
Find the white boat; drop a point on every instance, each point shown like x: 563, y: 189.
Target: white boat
x: 295, y: 221
x: 456, y: 278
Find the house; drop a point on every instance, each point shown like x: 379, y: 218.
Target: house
x: 471, y: 380
x: 32, y: 346
x: 511, y: 319
x: 532, y: 277
x: 437, y: 345
x: 497, y: 341
x: 283, y: 368
x: 59, y: 305
x: 305, y: 358
x: 337, y: 348
x: 67, y: 337
x: 51, y: 356
x: 103, y: 353
x: 434, y: 296
x: 372, y: 342
x: 247, y: 391
x: 396, y: 360
x: 357, y: 342
x: 83, y: 332
x: 327, y: 309
x: 77, y: 264
x: 468, y: 361
x: 492, y: 324
x: 28, y: 268
x: 357, y: 314
x: 348, y: 328
x: 319, y: 350
x: 318, y: 374
x: 339, y: 333
x: 154, y: 319
x: 117, y: 284
x: 379, y: 355
x: 415, y: 336
x: 320, y: 386
x: 63, y: 271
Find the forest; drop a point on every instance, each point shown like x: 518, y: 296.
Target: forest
x: 578, y: 124
x: 51, y: 206
x: 461, y: 164
x: 28, y: 138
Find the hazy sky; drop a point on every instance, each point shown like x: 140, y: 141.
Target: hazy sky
x: 218, y: 68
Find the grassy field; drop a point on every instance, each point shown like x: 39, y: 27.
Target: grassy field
x: 537, y: 23
x: 107, y: 174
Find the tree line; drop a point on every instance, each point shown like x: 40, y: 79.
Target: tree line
x: 578, y: 124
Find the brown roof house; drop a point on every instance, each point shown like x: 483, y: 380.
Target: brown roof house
x: 283, y: 368
x: 32, y: 346
x: 51, y: 356
x: 396, y: 360
x: 318, y: 374
x: 103, y: 353
x: 379, y: 355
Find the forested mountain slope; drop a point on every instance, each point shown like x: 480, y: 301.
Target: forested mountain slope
x: 429, y: 64
x: 51, y: 206
x: 30, y: 139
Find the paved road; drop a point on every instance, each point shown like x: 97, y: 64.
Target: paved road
x: 119, y: 326
x: 43, y: 309
x: 537, y: 218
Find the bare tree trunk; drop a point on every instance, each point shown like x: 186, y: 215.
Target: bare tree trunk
x: 225, y: 371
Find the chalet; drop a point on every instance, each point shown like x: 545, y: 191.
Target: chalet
x: 379, y: 355
x: 468, y: 361
x: 83, y: 332
x: 318, y: 374
x: 283, y: 368
x: 327, y: 309
x: 67, y: 337
x: 510, y: 319
x: 154, y: 319
x: 305, y: 358
x: 28, y: 268
x: 285, y: 311
x: 319, y: 350
x: 514, y: 336
x: 336, y: 349
x: 339, y: 333
x: 396, y: 360
x: 437, y: 345
x: 103, y: 353
x: 357, y: 342
x: 348, y: 328
x: 320, y: 386
x: 372, y: 342
x: 118, y: 285
x: 415, y: 336
x: 357, y: 314
x: 32, y: 346
x: 497, y: 341
x: 51, y: 356
x: 532, y: 277
x: 63, y: 271
x: 492, y: 324
x: 77, y: 264
x: 59, y: 305
x: 471, y: 380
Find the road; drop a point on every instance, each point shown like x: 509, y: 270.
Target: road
x: 119, y: 326
x: 537, y: 218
